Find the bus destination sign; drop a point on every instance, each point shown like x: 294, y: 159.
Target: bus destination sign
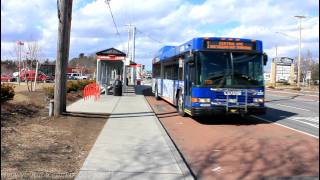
x: 235, y: 45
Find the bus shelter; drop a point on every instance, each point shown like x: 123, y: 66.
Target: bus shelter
x: 134, y: 73
x: 109, y: 66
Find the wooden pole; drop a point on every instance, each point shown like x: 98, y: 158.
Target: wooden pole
x: 36, y: 76
x: 19, y: 46
x: 64, y: 16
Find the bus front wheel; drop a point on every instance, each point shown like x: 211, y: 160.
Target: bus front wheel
x: 180, y: 107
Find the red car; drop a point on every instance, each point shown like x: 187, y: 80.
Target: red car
x: 6, y: 78
x: 30, y: 75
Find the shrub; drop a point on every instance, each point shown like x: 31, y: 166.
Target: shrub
x: 72, y: 86
x: 296, y: 88
x: 83, y: 83
x: 49, y: 91
x: 76, y: 85
x: 7, y: 91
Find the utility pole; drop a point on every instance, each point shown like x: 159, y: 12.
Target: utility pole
x: 19, y: 49
x: 129, y: 39
x: 36, y: 76
x: 131, y: 49
x: 126, y: 61
x: 19, y: 62
x: 133, y: 79
x: 299, y: 56
x: 133, y: 42
x: 64, y: 16
x: 275, y: 67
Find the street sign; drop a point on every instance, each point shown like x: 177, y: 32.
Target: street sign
x: 308, y: 76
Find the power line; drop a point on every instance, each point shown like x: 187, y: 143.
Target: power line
x: 149, y: 36
x: 114, y: 22
x: 115, y: 25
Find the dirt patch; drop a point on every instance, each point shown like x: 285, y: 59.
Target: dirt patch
x: 36, y: 146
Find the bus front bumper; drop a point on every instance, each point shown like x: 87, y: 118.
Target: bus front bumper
x: 223, y: 110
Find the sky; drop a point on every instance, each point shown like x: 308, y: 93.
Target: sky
x: 160, y: 23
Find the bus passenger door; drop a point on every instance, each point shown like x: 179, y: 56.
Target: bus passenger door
x: 189, y: 79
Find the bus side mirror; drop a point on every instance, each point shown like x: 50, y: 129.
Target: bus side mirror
x: 265, y: 59
x: 191, y: 63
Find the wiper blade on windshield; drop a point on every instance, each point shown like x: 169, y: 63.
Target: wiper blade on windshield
x: 216, y: 77
x: 242, y: 76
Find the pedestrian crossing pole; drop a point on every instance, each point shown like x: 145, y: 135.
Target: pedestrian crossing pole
x: 64, y: 16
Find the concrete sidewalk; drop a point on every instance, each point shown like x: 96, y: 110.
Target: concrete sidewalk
x: 132, y: 144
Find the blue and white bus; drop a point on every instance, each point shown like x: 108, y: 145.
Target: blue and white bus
x: 211, y: 75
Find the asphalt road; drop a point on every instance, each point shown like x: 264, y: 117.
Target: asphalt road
x: 298, y: 111
x: 283, y: 144
x: 294, y: 110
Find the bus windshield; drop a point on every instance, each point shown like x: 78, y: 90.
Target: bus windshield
x: 230, y: 69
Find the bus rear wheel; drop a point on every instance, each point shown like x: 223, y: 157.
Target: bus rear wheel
x: 180, y: 106
x: 156, y: 95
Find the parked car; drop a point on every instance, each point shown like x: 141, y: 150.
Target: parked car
x: 51, y: 78
x: 30, y: 76
x: 69, y: 77
x: 15, y: 76
x: 6, y: 78
x: 76, y: 76
x: 148, y: 76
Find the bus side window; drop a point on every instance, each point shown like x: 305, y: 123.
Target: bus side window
x: 192, y: 74
x: 180, y: 74
x: 175, y: 69
x: 156, y: 68
x: 171, y: 72
x: 166, y: 72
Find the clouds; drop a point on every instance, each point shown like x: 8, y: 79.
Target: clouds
x: 21, y: 20
x: 169, y: 21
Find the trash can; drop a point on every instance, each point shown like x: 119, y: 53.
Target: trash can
x: 117, y: 88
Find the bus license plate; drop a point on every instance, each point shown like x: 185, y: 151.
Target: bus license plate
x: 235, y: 93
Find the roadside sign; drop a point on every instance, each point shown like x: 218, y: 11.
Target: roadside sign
x: 308, y: 76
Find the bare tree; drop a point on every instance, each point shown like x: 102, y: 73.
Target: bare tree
x: 33, y: 51
x: 307, y: 62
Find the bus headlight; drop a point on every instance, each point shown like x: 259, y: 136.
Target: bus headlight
x: 258, y: 100
x: 204, y: 100
x: 201, y: 100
